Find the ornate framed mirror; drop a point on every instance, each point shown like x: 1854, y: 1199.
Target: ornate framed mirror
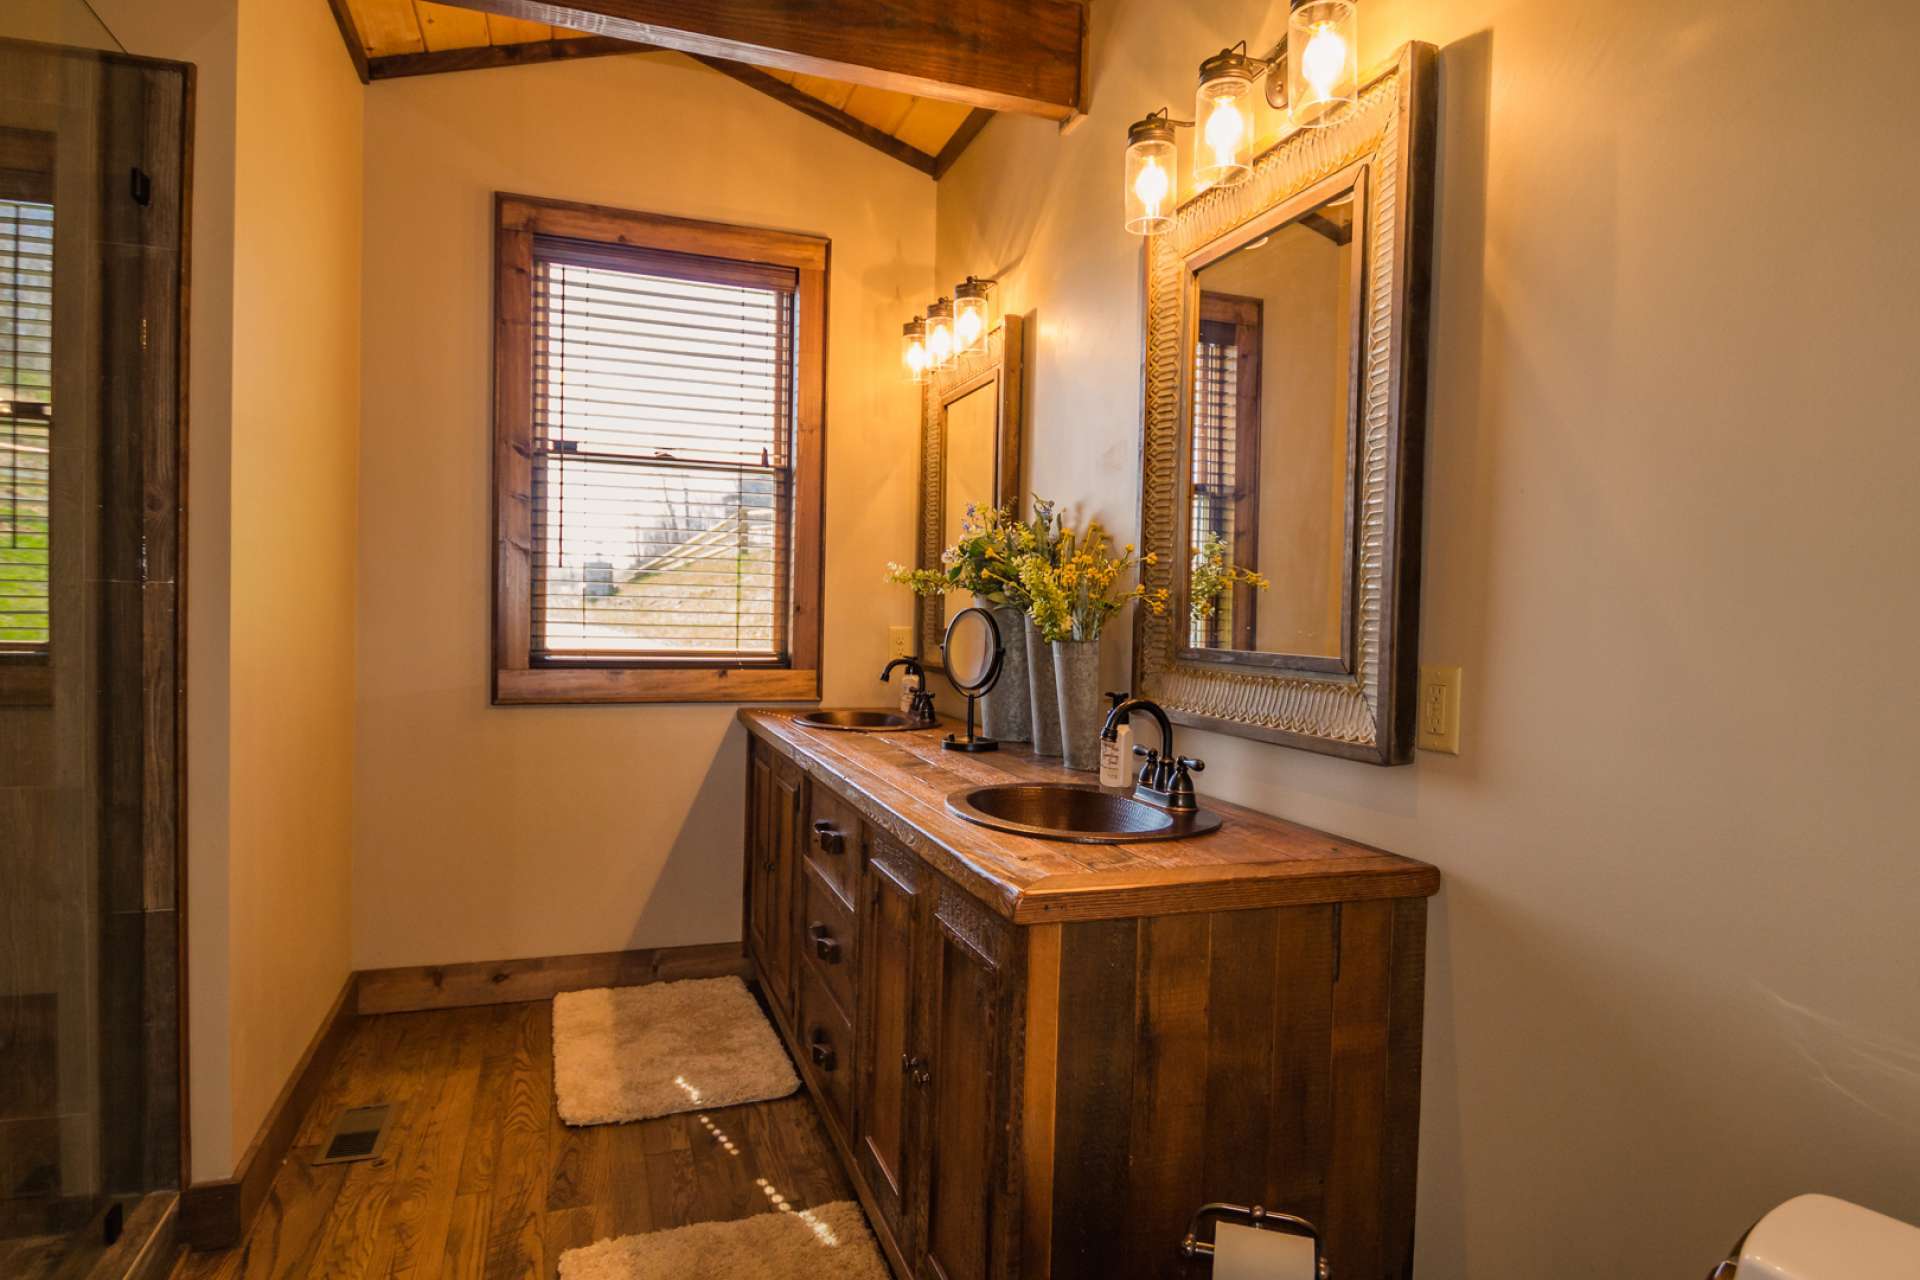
x: 969, y: 454
x: 1284, y: 428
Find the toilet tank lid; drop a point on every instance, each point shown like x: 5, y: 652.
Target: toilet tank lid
x: 1815, y: 1237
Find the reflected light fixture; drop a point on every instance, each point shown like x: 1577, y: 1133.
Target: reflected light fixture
x: 940, y: 333
x: 971, y: 318
x: 1323, y: 66
x: 913, y: 348
x: 1153, y: 172
x: 1223, y: 119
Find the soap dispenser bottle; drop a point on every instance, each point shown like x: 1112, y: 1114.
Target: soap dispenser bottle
x: 1116, y: 748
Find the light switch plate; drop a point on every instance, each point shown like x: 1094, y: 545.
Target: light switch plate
x: 1440, y: 710
x: 899, y: 642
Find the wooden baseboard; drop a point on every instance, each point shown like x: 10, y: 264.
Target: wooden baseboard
x: 453, y: 986
x: 216, y: 1214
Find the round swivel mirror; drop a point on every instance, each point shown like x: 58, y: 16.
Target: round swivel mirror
x: 972, y: 653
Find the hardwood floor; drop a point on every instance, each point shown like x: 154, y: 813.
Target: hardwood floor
x: 480, y: 1179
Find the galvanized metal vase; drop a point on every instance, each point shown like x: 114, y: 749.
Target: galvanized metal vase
x: 1007, y: 709
x: 1045, y: 694
x: 1076, y: 667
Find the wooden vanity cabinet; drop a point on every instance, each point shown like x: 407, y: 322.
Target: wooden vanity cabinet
x: 774, y: 813
x: 1047, y: 1085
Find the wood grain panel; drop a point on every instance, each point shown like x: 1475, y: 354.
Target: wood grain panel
x: 540, y: 978
x: 1093, y: 1122
x: 1361, y: 1006
x: 445, y: 26
x: 1011, y: 55
x: 898, y: 783
x: 471, y: 1185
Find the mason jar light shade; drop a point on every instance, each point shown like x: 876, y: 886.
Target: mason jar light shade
x: 940, y: 334
x: 1223, y: 120
x: 970, y: 317
x: 913, y: 348
x: 1323, y: 62
x: 1152, y: 176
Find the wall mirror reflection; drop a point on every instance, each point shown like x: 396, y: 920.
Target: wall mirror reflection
x: 970, y: 456
x: 1270, y: 454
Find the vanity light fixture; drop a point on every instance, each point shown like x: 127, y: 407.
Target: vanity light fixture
x: 940, y: 333
x: 1320, y: 87
x: 971, y: 318
x: 913, y: 348
x: 1153, y: 173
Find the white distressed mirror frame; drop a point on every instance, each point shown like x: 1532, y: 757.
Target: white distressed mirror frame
x: 1367, y: 713
x: 1000, y: 362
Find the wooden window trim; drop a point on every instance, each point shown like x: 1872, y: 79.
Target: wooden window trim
x: 516, y: 680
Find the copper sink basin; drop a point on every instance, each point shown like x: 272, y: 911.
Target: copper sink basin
x: 856, y: 721
x: 1080, y: 813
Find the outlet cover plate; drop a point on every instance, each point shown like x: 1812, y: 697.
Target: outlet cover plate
x: 899, y: 642
x: 1439, y: 713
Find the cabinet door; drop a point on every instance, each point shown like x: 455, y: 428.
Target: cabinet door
x: 787, y: 816
x: 759, y: 853
x: 965, y: 1231
x: 892, y: 907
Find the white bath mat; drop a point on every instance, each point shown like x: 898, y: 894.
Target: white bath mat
x: 828, y: 1243
x: 632, y: 1053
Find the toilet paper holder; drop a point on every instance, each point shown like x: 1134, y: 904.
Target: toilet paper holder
x: 1255, y: 1216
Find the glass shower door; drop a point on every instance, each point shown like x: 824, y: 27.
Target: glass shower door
x: 92, y: 158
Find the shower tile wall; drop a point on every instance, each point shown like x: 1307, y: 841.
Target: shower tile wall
x: 89, y: 1039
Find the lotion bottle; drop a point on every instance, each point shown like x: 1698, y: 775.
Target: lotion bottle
x: 1116, y: 748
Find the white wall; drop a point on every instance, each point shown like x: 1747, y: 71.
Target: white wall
x: 488, y: 833
x: 1671, y: 534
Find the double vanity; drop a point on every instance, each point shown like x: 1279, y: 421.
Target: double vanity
x: 1037, y: 1057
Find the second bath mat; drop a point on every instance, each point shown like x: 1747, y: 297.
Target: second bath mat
x: 632, y: 1053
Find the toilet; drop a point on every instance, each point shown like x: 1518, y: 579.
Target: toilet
x: 1814, y: 1237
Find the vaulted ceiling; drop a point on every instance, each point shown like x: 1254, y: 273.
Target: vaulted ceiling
x: 917, y: 102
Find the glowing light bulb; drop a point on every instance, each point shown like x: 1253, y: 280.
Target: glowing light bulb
x: 917, y: 359
x: 1324, y: 61
x: 966, y: 328
x: 1151, y: 187
x: 940, y: 343
x: 1224, y: 131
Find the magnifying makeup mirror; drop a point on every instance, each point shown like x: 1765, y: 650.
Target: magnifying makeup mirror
x: 972, y: 653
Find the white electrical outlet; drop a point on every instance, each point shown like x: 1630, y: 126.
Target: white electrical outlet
x: 899, y: 642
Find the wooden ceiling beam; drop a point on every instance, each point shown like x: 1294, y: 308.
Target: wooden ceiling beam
x: 481, y: 57
x: 1002, y: 55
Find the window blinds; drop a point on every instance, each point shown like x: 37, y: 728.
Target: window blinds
x: 1216, y: 448
x: 663, y: 455
x: 26, y: 420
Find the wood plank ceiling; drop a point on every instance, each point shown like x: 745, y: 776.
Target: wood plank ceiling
x: 389, y: 38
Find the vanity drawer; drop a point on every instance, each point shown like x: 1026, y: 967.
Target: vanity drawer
x: 833, y: 841
x: 826, y: 941
x: 826, y: 1046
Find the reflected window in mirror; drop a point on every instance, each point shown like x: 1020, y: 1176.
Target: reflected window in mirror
x: 1270, y: 456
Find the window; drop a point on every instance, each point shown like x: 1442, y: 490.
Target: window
x: 659, y: 387
x: 26, y: 394
x: 1226, y: 458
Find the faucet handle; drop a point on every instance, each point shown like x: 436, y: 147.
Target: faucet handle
x: 1188, y: 762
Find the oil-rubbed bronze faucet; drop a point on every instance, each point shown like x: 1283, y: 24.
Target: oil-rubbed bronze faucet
x: 920, y: 710
x: 1164, y: 778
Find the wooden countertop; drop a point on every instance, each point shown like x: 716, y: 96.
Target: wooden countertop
x: 899, y: 782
